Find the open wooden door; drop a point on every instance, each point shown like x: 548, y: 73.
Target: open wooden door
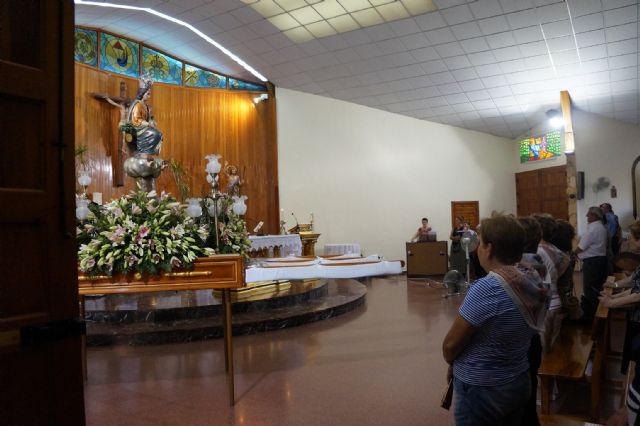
x: 40, y: 329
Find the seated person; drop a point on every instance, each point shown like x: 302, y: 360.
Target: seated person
x: 422, y: 234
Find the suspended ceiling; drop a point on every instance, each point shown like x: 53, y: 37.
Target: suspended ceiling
x: 494, y: 66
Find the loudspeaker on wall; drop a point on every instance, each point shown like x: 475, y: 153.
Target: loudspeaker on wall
x: 580, y: 185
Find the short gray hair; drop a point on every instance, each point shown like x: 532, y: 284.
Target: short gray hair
x: 596, y: 211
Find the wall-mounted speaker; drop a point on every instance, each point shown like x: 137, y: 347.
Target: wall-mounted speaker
x: 580, y: 185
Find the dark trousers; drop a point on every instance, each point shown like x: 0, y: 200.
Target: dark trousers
x: 534, y: 355
x: 594, y: 274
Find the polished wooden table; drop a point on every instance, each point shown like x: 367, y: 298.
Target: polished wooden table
x: 220, y: 272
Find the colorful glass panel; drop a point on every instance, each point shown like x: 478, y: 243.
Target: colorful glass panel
x: 119, y: 55
x: 540, y: 147
x: 197, y: 77
x: 161, y: 67
x: 243, y: 85
x: 86, y: 46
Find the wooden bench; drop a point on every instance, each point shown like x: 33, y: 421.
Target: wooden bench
x: 569, y: 356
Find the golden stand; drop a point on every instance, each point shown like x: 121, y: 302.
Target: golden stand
x: 307, y: 236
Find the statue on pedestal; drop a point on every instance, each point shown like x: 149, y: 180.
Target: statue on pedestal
x: 145, y: 141
x: 234, y: 180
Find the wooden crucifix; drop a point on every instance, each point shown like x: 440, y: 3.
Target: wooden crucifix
x: 117, y: 145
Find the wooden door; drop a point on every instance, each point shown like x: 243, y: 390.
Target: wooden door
x: 40, y: 329
x: 470, y: 210
x: 543, y: 191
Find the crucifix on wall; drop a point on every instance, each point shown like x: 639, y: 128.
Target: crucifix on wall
x: 117, y: 146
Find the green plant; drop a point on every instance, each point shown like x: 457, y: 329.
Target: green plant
x: 181, y: 179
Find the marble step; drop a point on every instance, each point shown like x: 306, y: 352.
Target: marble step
x: 152, y: 327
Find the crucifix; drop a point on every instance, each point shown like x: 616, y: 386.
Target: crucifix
x: 117, y: 146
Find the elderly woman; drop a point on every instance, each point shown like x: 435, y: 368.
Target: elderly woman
x: 488, y: 341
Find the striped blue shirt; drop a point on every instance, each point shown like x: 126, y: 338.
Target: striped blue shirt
x: 497, y: 352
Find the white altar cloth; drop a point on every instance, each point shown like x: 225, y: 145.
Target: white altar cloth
x: 292, y: 268
x: 350, y: 248
x: 290, y: 243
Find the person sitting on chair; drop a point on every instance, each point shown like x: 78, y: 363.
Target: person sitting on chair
x: 422, y: 234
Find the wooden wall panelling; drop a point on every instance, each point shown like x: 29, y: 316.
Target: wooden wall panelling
x: 195, y: 122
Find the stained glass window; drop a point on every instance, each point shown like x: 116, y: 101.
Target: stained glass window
x: 243, y: 85
x: 197, y: 77
x: 119, y: 55
x: 540, y: 147
x: 86, y: 47
x: 161, y: 67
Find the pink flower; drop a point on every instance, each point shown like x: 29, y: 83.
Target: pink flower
x: 175, y: 262
x: 156, y: 258
x: 143, y: 231
x: 131, y: 260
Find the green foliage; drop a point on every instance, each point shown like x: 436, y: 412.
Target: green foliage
x: 181, y: 179
x: 139, y: 232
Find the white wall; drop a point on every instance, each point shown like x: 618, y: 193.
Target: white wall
x: 369, y: 176
x: 605, y: 147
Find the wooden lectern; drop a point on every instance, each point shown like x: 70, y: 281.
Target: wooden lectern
x: 307, y: 236
x: 427, y: 258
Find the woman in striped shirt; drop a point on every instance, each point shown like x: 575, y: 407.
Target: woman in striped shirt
x: 488, y: 341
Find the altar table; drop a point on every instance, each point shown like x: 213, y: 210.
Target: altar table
x: 289, y: 244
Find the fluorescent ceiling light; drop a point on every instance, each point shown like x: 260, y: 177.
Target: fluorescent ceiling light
x: 202, y: 35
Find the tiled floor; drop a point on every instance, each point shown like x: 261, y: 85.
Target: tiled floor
x: 379, y: 365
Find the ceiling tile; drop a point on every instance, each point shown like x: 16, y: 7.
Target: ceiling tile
x: 505, y: 101
x: 434, y: 67
x: 449, y: 49
x: 404, y: 27
x: 457, y: 15
x: 483, y: 104
x: 442, y: 78
x: 539, y: 61
x: 593, y: 52
x: 622, y: 32
x: 533, y: 49
x: 513, y: 66
x: 425, y: 54
x: 584, y: 7
x: 402, y: 58
x: 557, y: 29
x: 390, y: 46
x: 622, y: 47
x: 488, y: 70
x: 527, y: 35
x: 485, y: 8
x: 561, y: 43
x: 624, y: 73
x: 516, y: 5
x: 478, y: 95
x: 448, y: 89
x: 494, y: 81
x: 624, y: 86
x: 430, y: 21
x: 590, y: 38
x: 507, y: 53
x: 379, y: 32
x: 623, y: 61
x: 356, y: 38
x: 493, y: 25
x: 588, y: 23
x: 504, y: 39
x: 466, y: 31
x: 415, y: 41
x: 463, y: 107
x: 456, y: 98
x: 620, y: 16
x: 457, y: 62
x: 481, y: 58
x: 471, y: 85
x: 614, y: 4
x: 552, y: 12
x: 522, y: 19
x: 464, y: 74
x: 474, y: 45
x: 565, y: 57
x: 443, y: 35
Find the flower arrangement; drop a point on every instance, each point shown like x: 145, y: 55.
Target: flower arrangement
x: 232, y: 229
x: 140, y: 232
